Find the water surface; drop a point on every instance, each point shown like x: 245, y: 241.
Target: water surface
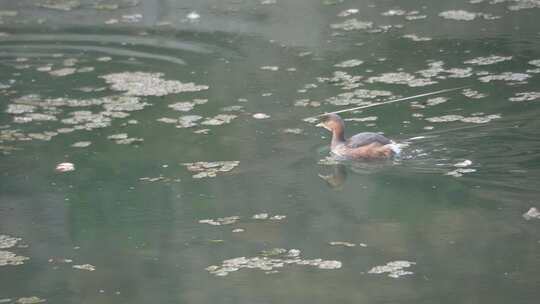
x: 176, y: 82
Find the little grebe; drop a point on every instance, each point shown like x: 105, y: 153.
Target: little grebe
x: 365, y: 145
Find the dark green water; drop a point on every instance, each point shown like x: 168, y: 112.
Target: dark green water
x: 464, y: 230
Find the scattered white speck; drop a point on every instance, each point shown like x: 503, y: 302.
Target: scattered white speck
x: 65, y: 167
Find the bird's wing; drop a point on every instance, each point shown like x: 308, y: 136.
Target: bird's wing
x: 366, y: 138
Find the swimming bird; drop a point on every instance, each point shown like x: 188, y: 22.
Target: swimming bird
x: 365, y: 145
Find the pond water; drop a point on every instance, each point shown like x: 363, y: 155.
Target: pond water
x: 188, y: 172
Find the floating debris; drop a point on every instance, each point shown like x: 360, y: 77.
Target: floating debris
x: 63, y: 72
x: 414, y: 37
x: 20, y: 109
x: 352, y: 24
x: 343, y: 79
x: 488, y: 60
x: 401, y: 78
x: 463, y: 164
x: 261, y: 116
x: 394, y: 269
x: 193, y: 16
x: 357, y: 97
x: 525, y: 96
x: 62, y: 5
x: 202, y: 131
x: 7, y: 241
x: 65, y: 167
x: 10, y: 258
x: 123, y: 139
x: 87, y: 267
x: 270, y: 68
x: 436, y: 101
x: 210, y: 169
x: 473, y: 94
x: 29, y: 300
x: 81, y: 144
x: 60, y: 260
x: 269, y: 261
x: 348, y: 12
x: 220, y: 221
x: 519, y: 78
x: 459, y: 172
x: 344, y: 244
x: 132, y: 18
x: 260, y: 216
x: 219, y: 119
x: 293, y: 131
x: 187, y: 106
x: 394, y: 12
x: 533, y: 213
x: 188, y: 121
x: 349, y: 63
x: 474, y: 119
x: 460, y: 15
x: 521, y: 5
x: 148, y: 84
x: 238, y: 230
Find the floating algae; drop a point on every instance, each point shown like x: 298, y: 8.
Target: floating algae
x: 436, y: 101
x: 533, y: 213
x: 220, y: 221
x: 10, y: 258
x: 341, y: 243
x: 513, y: 78
x: 488, y: 60
x: 460, y: 15
x: 352, y: 24
x: 123, y: 139
x: 401, y: 78
x: 460, y: 171
x: 269, y: 68
x: 63, y: 72
x: 297, y: 131
x: 186, y: 106
x: 342, y: 79
x: 29, y: 300
x: 270, y: 260
x: 148, y: 84
x: 260, y: 116
x: 394, y: 269
x: 473, y: 94
x: 210, y: 169
x: 416, y: 38
x: 219, y: 119
x: 86, y: 267
x: 357, y: 97
x: 188, y: 121
x: 62, y: 5
x: 472, y: 119
x: 65, y: 167
x: 525, y: 96
x: 7, y: 241
x: 348, y: 12
x: 349, y: 63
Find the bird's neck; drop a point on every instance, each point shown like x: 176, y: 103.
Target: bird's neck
x: 338, y: 137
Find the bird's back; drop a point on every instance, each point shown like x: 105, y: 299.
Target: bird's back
x: 366, y: 138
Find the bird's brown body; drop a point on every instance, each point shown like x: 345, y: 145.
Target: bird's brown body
x: 366, y: 145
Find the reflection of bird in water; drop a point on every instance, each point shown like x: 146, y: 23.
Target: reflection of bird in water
x: 365, y: 145
x: 337, y: 179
